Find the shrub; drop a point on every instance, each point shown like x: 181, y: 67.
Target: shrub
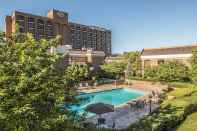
x: 133, y: 58
x: 169, y: 72
x: 173, y: 71
x: 194, y: 67
x: 78, y: 72
x: 151, y: 73
x: 189, y: 123
x: 113, y: 70
x: 180, y: 84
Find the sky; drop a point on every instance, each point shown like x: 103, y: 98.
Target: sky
x: 135, y: 24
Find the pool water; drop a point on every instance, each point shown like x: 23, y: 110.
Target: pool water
x: 114, y: 97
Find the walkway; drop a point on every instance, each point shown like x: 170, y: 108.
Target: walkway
x: 135, y: 84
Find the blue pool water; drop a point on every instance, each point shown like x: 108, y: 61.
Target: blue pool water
x: 114, y: 97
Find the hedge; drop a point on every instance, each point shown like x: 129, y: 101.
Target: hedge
x: 190, y: 124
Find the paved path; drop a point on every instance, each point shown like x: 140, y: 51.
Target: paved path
x: 136, y: 84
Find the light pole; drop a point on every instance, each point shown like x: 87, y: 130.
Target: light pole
x: 150, y: 103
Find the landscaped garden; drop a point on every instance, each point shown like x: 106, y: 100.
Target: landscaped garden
x: 178, y: 104
x: 33, y: 88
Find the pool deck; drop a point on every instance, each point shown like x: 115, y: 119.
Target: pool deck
x: 123, y: 116
x: 145, y: 86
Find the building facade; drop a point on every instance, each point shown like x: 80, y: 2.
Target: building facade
x: 156, y: 56
x: 90, y: 37
x: 57, y: 23
x: 115, y: 58
x: 93, y: 58
x: 81, y: 57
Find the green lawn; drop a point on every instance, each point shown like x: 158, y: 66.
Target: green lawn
x: 171, y: 112
x: 190, y: 124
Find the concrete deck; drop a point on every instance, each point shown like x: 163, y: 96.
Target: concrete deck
x: 122, y: 117
x: 135, y: 84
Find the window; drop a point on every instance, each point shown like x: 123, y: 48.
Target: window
x: 160, y: 62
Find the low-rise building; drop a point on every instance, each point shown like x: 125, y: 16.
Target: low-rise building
x: 155, y: 56
x: 93, y: 58
x: 114, y: 58
x: 81, y: 57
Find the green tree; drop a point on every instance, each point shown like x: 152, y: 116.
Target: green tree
x: 133, y: 59
x: 113, y: 70
x: 32, y: 88
x: 2, y: 35
x: 77, y: 72
x: 128, y: 71
x: 151, y: 73
x: 194, y: 66
x: 173, y: 71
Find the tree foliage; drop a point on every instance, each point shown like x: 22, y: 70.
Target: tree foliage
x: 151, y: 73
x: 78, y: 73
x: 133, y: 59
x: 194, y: 66
x: 113, y: 70
x: 168, y: 72
x: 173, y: 71
x: 129, y: 71
x: 31, y: 87
x: 2, y: 35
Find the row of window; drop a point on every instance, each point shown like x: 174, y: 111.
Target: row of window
x: 38, y: 27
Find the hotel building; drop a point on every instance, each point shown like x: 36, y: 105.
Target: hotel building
x: 57, y: 23
x: 90, y: 37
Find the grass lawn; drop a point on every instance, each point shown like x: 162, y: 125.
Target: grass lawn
x: 190, y: 124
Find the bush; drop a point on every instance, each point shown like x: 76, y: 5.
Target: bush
x: 194, y: 67
x: 113, y: 70
x: 169, y: 72
x: 189, y: 124
x: 78, y: 72
x: 180, y: 84
x: 173, y: 71
x: 151, y: 73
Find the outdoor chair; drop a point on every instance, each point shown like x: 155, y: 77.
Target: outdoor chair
x: 132, y: 105
x: 140, y: 105
x: 80, y: 85
x: 101, y: 121
x: 86, y: 84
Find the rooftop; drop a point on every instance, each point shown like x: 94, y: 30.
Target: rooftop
x: 169, y: 50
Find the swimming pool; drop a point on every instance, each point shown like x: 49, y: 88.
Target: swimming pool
x: 114, y: 97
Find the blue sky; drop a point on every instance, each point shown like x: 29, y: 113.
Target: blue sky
x: 135, y: 24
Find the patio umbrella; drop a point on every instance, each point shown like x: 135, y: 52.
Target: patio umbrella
x: 100, y: 108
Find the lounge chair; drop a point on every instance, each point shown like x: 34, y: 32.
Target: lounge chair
x: 86, y: 84
x: 101, y: 121
x: 80, y: 85
x: 132, y: 105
